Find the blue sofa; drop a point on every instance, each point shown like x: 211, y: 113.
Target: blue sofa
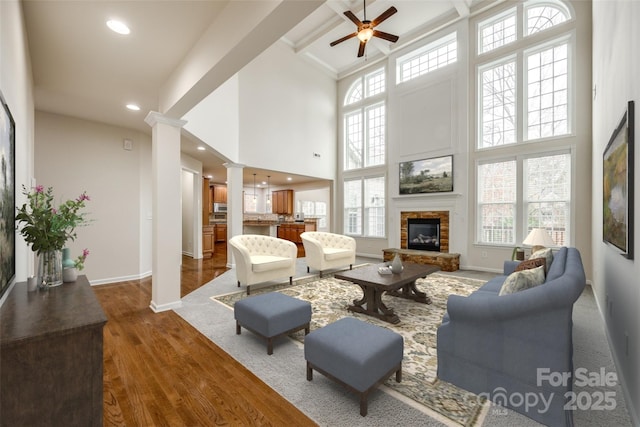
x: 495, y: 345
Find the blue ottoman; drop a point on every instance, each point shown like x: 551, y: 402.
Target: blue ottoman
x: 271, y: 315
x: 355, y: 354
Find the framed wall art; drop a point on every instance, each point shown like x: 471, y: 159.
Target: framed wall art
x: 7, y: 198
x: 433, y: 175
x: 617, y: 182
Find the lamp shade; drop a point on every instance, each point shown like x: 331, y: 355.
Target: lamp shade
x: 538, y: 237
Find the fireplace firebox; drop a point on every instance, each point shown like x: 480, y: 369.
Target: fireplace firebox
x: 423, y: 234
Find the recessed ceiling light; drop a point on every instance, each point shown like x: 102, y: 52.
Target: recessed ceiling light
x: 201, y: 148
x: 210, y: 176
x: 118, y: 27
x: 133, y: 107
x: 289, y: 178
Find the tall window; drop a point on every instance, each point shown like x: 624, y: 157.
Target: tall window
x: 544, y: 193
x: 524, y: 96
x: 364, y: 207
x: 547, y: 92
x: 498, y: 104
x: 364, y: 140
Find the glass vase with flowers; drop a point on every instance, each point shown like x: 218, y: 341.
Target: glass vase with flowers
x: 47, y: 228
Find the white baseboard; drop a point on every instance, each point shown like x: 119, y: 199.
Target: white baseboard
x: 119, y: 279
x: 165, y: 307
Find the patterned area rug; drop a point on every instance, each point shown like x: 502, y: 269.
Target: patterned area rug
x: 418, y: 325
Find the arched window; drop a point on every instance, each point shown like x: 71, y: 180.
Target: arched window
x: 354, y: 94
x: 541, y: 16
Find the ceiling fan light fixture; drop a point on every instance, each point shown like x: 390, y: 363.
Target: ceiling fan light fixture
x: 365, y: 34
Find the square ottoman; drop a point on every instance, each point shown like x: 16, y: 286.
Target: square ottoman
x: 272, y: 314
x: 355, y: 354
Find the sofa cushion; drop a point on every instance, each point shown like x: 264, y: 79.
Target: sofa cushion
x: 531, y: 263
x: 545, y: 253
x: 269, y: 262
x: 493, y: 285
x: 522, y: 280
x: 559, y: 264
x: 335, y: 253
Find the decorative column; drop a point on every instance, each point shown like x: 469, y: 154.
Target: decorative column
x: 235, y: 216
x: 166, y: 211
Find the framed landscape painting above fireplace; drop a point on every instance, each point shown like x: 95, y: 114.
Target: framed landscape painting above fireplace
x: 434, y: 175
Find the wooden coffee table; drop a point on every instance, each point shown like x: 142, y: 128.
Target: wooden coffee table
x: 374, y: 284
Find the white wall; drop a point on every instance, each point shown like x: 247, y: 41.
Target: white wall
x: 74, y: 155
x: 215, y: 120
x: 287, y: 113
x: 17, y: 88
x: 187, y: 212
x: 616, y: 67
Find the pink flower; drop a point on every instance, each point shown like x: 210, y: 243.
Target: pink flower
x: 54, y: 211
x: 83, y: 197
x: 85, y: 253
x: 39, y: 189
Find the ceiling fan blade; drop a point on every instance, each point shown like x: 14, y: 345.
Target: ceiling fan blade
x: 384, y: 16
x: 361, y: 48
x: 353, y: 18
x: 347, y: 37
x: 386, y: 36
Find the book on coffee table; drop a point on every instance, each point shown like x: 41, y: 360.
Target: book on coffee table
x: 384, y: 270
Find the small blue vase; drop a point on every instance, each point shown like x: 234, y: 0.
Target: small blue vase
x: 67, y: 262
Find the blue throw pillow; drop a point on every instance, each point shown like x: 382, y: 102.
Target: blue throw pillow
x: 521, y: 280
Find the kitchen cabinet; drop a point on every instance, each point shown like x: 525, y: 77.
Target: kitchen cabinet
x: 206, y: 201
x: 208, y: 240
x: 292, y: 231
x: 51, y: 369
x: 221, y: 232
x: 282, y: 201
x: 219, y: 194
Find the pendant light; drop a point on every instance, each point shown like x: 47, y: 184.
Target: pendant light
x: 254, y: 187
x: 268, y: 189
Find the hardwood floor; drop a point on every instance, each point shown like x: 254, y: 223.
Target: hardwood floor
x: 160, y: 371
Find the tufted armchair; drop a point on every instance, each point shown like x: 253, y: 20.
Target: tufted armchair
x: 262, y: 258
x: 328, y: 250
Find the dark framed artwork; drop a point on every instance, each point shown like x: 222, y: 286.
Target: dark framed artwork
x: 7, y: 198
x: 617, y: 183
x: 433, y: 175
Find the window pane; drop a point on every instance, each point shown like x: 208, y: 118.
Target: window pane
x: 496, y: 33
x: 547, y: 106
x: 375, y: 83
x: 496, y: 202
x: 354, y: 94
x: 374, y: 196
x: 548, y: 195
x: 435, y: 55
x: 353, y: 207
x: 498, y: 105
x: 353, y: 140
x: 375, y: 136
x: 542, y: 17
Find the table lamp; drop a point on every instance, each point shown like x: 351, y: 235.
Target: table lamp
x: 538, y: 238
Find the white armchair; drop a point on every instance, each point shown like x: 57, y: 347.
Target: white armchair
x: 262, y: 258
x: 328, y: 250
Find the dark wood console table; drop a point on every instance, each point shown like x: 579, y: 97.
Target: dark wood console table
x: 51, y: 356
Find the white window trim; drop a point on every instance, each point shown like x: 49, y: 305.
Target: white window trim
x: 425, y: 50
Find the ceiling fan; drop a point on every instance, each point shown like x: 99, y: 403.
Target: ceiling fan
x: 366, y: 28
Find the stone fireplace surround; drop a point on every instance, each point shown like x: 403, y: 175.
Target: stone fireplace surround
x: 445, y: 260
x: 443, y: 216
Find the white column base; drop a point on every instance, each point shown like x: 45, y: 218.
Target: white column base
x: 165, y: 307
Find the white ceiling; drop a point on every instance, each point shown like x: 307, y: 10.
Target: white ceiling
x: 82, y: 69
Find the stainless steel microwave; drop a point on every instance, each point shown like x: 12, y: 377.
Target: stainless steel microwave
x: 219, y: 207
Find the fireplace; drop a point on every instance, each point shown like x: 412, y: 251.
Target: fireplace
x: 443, y: 232
x: 423, y: 234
